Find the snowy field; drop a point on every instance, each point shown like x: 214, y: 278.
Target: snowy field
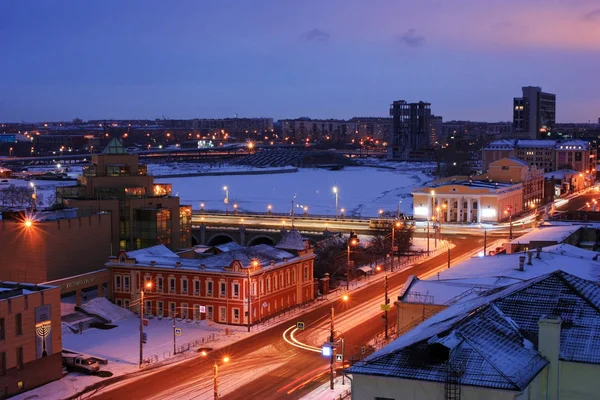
x: 363, y: 191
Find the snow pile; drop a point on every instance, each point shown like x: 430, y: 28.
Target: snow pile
x: 104, y: 308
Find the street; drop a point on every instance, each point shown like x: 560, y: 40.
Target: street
x: 267, y: 367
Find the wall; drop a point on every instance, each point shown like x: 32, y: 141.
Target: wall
x: 51, y: 250
x: 578, y: 381
x: 366, y: 387
x: 409, y: 313
x: 34, y: 372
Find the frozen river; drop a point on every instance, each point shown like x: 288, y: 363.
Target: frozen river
x: 363, y: 191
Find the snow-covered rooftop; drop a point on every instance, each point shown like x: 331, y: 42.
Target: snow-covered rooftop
x: 536, y: 143
x: 560, y: 174
x: 503, y: 144
x: 161, y: 257
x: 493, y: 337
x: 478, y: 273
x: 292, y: 240
x: 547, y: 233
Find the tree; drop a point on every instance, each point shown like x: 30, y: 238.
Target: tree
x: 330, y: 256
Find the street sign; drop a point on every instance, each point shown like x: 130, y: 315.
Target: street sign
x: 339, y: 357
x: 225, y: 200
x: 145, y: 321
x: 177, y: 331
x: 265, y: 304
x: 385, y: 307
x: 300, y: 325
x: 363, y: 350
x: 202, y: 309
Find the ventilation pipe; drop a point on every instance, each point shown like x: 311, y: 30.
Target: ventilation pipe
x: 539, y: 252
x: 521, y: 263
x: 530, y: 256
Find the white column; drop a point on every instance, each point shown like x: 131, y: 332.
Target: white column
x: 479, y: 209
x: 459, y: 209
x: 450, y: 203
x: 469, y: 208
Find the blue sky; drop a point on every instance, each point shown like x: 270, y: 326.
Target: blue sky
x: 90, y: 59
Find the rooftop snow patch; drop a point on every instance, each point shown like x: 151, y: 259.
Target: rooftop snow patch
x: 104, y: 308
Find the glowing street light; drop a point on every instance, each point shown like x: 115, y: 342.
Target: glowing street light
x: 28, y: 223
x: 226, y: 200
x: 216, y: 377
x: 336, y: 192
x: 269, y: 209
x: 147, y: 286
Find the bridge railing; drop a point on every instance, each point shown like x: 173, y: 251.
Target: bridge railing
x: 274, y: 215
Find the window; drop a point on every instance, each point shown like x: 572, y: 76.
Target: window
x: 159, y: 308
x: 274, y: 283
x: 294, y: 277
x: 184, y: 286
x: 19, y: 357
x: 209, y: 313
x: 18, y: 324
x: 197, y: 287
x: 172, y: 310
x: 126, y: 304
x: 268, y: 283
x: 147, y: 307
x: 209, y: 288
x: 236, y: 315
x: 184, y: 310
x: 171, y: 285
x: 222, y: 314
x: 287, y: 278
x: 118, y: 282
x: 262, y: 287
x: 197, y: 311
x: 2, y: 328
x: 305, y: 272
x: 223, y: 291
x: 120, y: 302
x: 280, y: 281
x: 236, y: 290
x: 3, y: 363
x: 159, y: 284
x: 126, y: 283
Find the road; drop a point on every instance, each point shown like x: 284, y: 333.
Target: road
x: 267, y: 367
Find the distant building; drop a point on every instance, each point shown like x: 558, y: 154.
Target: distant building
x: 534, y: 112
x: 143, y: 213
x: 30, y: 336
x: 411, y: 128
x: 536, y: 339
x: 302, y: 130
x: 436, y: 136
x: 48, y: 245
x: 217, y: 287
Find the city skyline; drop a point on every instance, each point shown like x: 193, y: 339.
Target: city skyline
x: 330, y: 59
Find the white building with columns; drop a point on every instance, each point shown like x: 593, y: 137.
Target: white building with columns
x: 464, y: 200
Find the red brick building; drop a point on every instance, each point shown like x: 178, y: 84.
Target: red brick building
x: 217, y: 287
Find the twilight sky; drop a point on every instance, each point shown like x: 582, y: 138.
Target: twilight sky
x: 61, y: 59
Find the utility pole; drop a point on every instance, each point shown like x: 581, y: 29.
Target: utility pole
x: 484, y: 242
x: 141, y: 324
x: 343, y: 363
x: 427, y: 236
x: 174, y: 340
x: 216, y: 380
x: 249, y: 300
x: 386, y: 311
x: 348, y: 267
x: 331, y: 339
x: 448, y: 257
x: 393, y: 242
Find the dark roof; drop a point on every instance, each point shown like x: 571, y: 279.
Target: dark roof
x: 493, y: 338
x: 292, y: 240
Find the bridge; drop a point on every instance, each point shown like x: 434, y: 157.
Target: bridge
x: 214, y: 228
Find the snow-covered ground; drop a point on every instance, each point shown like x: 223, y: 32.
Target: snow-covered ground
x: 173, y: 168
x: 323, y: 392
x: 363, y: 191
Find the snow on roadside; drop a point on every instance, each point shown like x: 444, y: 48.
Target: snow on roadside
x: 104, y: 308
x: 323, y: 392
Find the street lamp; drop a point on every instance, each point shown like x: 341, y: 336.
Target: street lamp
x: 269, y: 209
x: 216, y: 376
x: 235, y: 206
x: 10, y: 152
x: 336, y: 192
x: 226, y: 201
x: 352, y: 241
x: 147, y: 285
x: 380, y: 213
x: 509, y: 212
x: 345, y: 298
x: 394, y: 246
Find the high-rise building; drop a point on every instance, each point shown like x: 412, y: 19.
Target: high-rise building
x: 411, y: 128
x: 534, y: 113
x: 435, y: 130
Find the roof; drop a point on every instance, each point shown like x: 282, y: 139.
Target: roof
x: 547, y: 233
x: 292, y: 240
x: 470, y: 277
x: 114, y: 147
x: 560, y: 174
x: 504, y: 144
x: 518, y: 161
x: 492, y: 338
x: 572, y: 145
x: 161, y: 257
x: 228, y: 246
x: 536, y: 143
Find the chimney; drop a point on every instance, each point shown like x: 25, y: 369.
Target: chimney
x: 177, y: 264
x: 521, y: 263
x: 202, y: 266
x: 549, y: 348
x: 153, y: 263
x: 272, y: 262
x: 529, y: 255
x: 539, y: 252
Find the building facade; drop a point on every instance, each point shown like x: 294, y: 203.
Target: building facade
x: 143, y: 213
x: 411, y: 128
x: 464, y: 200
x: 222, y: 287
x: 51, y: 245
x: 30, y: 337
x: 534, y: 113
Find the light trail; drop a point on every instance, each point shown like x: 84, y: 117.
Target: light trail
x: 295, y: 342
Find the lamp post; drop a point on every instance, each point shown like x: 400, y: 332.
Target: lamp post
x: 394, y: 248
x: 147, y: 285
x: 509, y: 212
x: 226, y: 201
x: 352, y: 241
x: 331, y: 342
x: 336, y: 192
x: 216, y: 377
x: 33, y: 195
x: 10, y: 150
